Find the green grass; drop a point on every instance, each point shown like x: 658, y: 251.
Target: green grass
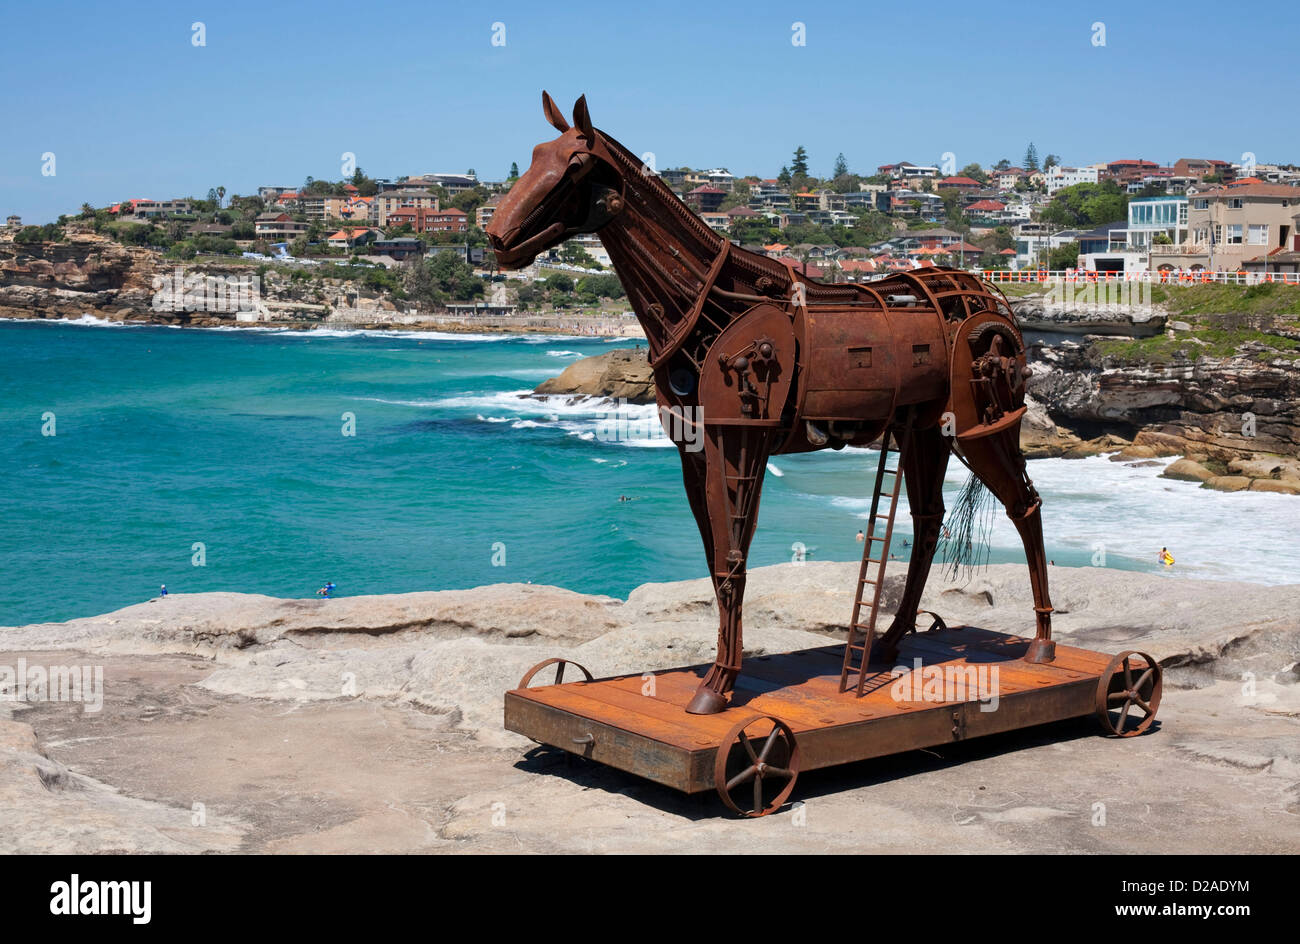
x: 1270, y: 300
x: 1202, y: 341
x: 1022, y: 289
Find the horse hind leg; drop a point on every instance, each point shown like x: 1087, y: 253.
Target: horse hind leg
x: 998, y: 462
x: 924, y: 462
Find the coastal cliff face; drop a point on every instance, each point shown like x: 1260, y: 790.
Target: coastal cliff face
x: 85, y: 273
x: 1202, y: 404
x: 89, y: 274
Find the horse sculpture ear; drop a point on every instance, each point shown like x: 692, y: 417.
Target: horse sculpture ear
x: 553, y: 114
x: 582, y: 119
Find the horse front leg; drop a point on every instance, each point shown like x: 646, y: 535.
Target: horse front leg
x: 734, y: 462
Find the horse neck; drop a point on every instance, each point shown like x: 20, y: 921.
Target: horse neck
x: 660, y: 249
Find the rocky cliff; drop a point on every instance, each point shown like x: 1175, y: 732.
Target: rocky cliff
x: 622, y: 374
x: 84, y: 274
x: 1224, y: 406
x: 89, y: 274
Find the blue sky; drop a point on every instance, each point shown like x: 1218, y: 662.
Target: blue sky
x: 130, y: 107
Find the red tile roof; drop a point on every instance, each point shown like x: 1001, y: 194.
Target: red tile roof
x: 991, y: 205
x: 1251, y: 190
x: 810, y: 270
x: 959, y: 182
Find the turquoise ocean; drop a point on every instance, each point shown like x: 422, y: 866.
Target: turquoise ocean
x: 227, y: 448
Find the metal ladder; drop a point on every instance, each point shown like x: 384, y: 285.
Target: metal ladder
x: 862, y: 632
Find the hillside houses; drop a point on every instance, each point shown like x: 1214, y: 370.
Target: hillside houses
x: 1192, y: 213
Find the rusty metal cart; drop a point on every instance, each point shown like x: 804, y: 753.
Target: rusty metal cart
x: 789, y: 713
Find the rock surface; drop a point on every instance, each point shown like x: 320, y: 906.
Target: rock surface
x: 1227, y: 407
x: 1042, y: 313
x: 621, y: 374
x: 249, y: 723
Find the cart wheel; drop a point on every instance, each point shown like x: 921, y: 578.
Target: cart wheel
x: 938, y: 621
x: 1127, y: 682
x: 559, y: 671
x: 756, y: 767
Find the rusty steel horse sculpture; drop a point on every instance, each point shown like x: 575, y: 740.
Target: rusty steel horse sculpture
x: 769, y: 361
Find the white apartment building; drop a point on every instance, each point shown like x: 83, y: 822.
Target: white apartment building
x: 1059, y: 177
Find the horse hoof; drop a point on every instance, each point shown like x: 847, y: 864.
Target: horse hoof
x: 1040, y: 651
x: 706, y: 702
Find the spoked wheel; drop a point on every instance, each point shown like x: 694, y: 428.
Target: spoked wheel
x: 1130, y: 685
x: 756, y: 766
x: 559, y: 671
x: 938, y: 621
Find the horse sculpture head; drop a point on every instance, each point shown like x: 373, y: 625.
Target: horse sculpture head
x: 571, y: 187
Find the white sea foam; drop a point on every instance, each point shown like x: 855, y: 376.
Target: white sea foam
x: 563, y: 354
x: 87, y: 321
x: 1095, y: 506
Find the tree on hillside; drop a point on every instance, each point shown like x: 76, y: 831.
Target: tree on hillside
x: 1087, y: 205
x: 366, y: 186
x: 841, y: 166
x: 739, y: 196
x: 783, y: 178
x: 514, y: 171
x: 747, y: 230
x: 974, y: 172
x: 594, y: 287
x: 1063, y: 257
x: 1031, y: 157
x: 1002, y: 164
x: 573, y: 254
x: 441, y: 278
x: 470, y: 200
x: 1051, y: 161
x: 799, y: 164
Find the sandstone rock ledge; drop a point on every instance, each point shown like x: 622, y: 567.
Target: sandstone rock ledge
x: 236, y: 722
x: 622, y: 374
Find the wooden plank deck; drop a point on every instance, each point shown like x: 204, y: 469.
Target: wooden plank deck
x: 651, y: 735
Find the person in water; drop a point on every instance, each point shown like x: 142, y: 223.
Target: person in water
x: 1165, y: 557
x: 861, y: 537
